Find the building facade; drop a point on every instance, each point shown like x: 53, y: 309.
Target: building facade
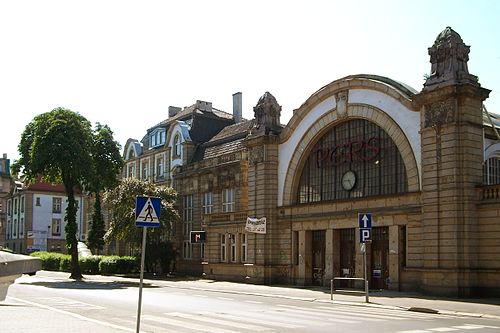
x: 6, y: 185
x: 36, y: 218
x: 280, y: 204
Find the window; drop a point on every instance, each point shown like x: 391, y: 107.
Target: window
x: 202, y: 250
x: 131, y: 170
x: 15, y: 206
x: 207, y: 203
x: 159, y: 166
x: 56, y: 205
x: 177, y: 145
x: 228, y: 200
x: 38, y: 201
x: 56, y: 227
x: 188, y: 215
x: 354, y: 159
x: 492, y: 171
x: 244, y: 247
x: 232, y: 243
x: 223, y: 247
x: 187, y: 250
x: 145, y: 169
x: 22, y: 204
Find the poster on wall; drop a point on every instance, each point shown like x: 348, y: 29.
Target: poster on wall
x: 255, y: 225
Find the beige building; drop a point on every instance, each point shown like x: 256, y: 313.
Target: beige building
x: 282, y: 204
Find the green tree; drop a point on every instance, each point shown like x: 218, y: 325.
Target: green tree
x: 106, y: 166
x: 55, y: 146
x: 120, y: 202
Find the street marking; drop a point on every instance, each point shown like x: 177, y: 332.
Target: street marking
x: 414, y: 331
x: 218, y: 321
x: 226, y: 298
x: 67, y: 302
x: 319, y: 311
x: 202, y: 296
x: 147, y: 326
x: 244, y: 317
x: 470, y: 327
x: 75, y: 315
x: 399, y: 313
x: 186, y: 324
x: 443, y: 329
x: 253, y: 302
x: 346, y: 319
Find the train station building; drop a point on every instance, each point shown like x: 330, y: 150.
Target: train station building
x: 283, y: 203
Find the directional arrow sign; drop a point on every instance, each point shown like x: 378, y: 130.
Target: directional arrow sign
x: 365, y: 220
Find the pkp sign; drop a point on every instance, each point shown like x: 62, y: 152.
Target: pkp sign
x: 365, y: 227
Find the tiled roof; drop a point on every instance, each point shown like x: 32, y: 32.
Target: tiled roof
x: 224, y: 148
x: 235, y: 129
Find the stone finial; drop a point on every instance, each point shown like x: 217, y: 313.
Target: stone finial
x: 449, y: 57
x: 267, y: 114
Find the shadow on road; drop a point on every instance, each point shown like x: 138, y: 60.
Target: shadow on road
x: 88, y: 285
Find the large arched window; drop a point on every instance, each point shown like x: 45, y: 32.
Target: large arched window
x: 352, y: 160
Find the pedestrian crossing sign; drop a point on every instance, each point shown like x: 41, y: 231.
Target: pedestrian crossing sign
x: 147, y: 212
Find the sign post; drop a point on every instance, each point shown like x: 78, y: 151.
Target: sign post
x: 365, y: 230
x: 147, y: 214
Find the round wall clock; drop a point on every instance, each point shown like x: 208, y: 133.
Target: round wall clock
x: 348, y: 180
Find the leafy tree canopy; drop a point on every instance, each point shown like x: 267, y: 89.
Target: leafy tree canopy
x: 120, y: 202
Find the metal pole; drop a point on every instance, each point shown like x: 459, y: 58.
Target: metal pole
x: 331, y: 289
x: 367, y: 299
x: 143, y: 255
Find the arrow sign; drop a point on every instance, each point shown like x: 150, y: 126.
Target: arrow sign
x: 365, y: 220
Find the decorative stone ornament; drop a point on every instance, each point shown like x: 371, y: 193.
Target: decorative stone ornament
x: 267, y: 114
x: 341, y: 99
x: 449, y: 56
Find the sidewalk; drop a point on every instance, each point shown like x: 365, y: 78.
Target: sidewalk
x: 485, y: 307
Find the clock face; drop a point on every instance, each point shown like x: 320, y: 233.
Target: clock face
x: 348, y: 180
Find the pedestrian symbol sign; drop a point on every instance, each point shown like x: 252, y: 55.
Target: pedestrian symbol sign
x: 147, y: 212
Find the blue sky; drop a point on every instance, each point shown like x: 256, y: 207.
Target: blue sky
x: 122, y: 63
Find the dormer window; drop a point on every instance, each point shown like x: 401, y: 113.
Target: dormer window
x: 177, y: 146
x: 157, y: 138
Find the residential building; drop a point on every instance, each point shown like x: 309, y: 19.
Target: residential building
x: 36, y: 218
x: 5, y: 188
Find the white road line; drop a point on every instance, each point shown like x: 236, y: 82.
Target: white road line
x: 443, y: 329
x: 186, y: 324
x: 361, y: 314
x: 71, y: 303
x: 399, y: 313
x: 75, y: 315
x: 202, y: 296
x: 346, y: 319
x: 414, y: 331
x: 147, y: 326
x: 470, y: 327
x: 253, y: 320
x: 218, y: 321
x: 347, y: 315
x: 253, y: 302
x: 226, y: 298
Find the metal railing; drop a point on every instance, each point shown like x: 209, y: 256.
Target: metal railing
x: 365, y: 292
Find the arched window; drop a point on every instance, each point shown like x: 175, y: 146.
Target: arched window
x: 354, y: 159
x: 491, y: 171
x: 177, y: 145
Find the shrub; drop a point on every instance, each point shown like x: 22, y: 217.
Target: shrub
x: 51, y: 261
x: 117, y: 265
x: 65, y: 264
x: 90, y: 264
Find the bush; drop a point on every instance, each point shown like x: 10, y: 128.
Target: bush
x: 51, y: 261
x: 90, y: 264
x: 117, y: 265
x: 65, y: 264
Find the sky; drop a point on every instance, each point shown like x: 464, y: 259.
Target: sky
x: 123, y: 63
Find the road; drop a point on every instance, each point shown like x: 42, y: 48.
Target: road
x: 112, y: 307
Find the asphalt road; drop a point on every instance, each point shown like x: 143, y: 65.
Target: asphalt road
x: 112, y: 307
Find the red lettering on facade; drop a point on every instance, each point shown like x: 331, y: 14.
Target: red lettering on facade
x: 351, y: 152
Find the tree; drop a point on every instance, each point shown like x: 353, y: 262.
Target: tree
x: 120, y: 202
x: 107, y: 164
x: 55, y: 146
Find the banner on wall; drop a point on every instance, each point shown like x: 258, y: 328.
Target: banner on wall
x: 256, y: 225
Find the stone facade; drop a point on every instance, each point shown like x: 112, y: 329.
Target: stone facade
x: 425, y: 164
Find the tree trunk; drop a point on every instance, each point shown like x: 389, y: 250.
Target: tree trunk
x: 71, y: 230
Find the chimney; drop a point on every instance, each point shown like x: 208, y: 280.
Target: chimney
x: 204, y: 106
x: 173, y: 110
x: 5, y: 155
x: 237, y: 107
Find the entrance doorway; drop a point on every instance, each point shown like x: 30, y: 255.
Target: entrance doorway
x: 379, y: 258
x: 318, y: 257
x: 347, y: 256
